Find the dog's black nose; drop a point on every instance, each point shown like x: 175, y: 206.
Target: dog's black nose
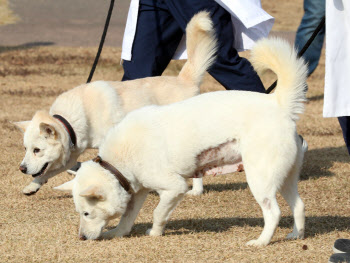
x: 82, y: 237
x: 23, y: 169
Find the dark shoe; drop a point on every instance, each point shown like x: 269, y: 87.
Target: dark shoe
x: 74, y: 169
x: 341, y: 246
x: 340, y: 258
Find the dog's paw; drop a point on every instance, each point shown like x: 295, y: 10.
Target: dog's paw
x: 31, y: 189
x: 72, y: 172
x: 194, y: 192
x: 256, y: 243
x: 291, y: 236
x: 108, y: 235
x: 114, y: 233
x: 294, y: 235
x: 74, y: 169
x: 153, y: 233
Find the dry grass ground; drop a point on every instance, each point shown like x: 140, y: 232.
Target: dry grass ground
x: 213, y: 227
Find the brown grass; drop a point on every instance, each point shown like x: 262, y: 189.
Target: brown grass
x: 287, y: 14
x: 212, y: 228
x: 6, y: 14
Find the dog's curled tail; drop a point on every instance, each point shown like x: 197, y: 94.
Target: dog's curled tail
x: 201, y: 48
x: 278, y: 55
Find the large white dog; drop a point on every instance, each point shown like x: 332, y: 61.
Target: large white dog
x: 53, y: 143
x: 159, y: 147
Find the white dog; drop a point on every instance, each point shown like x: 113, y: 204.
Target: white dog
x: 159, y: 147
x: 53, y: 143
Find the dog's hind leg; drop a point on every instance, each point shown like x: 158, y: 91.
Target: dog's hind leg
x: 197, y: 187
x: 289, y: 191
x: 264, y: 192
x: 128, y: 218
x: 169, y: 199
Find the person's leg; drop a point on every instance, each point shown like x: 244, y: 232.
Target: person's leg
x: 345, y: 126
x: 232, y: 71
x: 314, y: 10
x: 156, y: 40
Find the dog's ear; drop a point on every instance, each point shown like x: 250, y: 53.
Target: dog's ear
x: 94, y: 191
x: 48, y: 130
x: 22, y: 125
x: 66, y: 187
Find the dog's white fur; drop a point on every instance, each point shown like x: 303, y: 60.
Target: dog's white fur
x: 92, y: 109
x: 237, y: 165
x: 159, y: 147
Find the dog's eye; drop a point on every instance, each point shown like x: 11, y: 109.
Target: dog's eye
x: 36, y: 150
x: 25, y: 148
x: 86, y: 213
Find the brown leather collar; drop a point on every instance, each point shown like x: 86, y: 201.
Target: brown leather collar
x: 122, y: 180
x: 69, y: 128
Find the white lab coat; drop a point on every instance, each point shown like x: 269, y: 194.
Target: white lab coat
x: 250, y: 22
x: 337, y: 79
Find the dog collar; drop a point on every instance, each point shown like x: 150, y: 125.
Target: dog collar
x: 73, y: 138
x: 120, y: 177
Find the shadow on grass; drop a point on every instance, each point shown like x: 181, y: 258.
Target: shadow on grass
x: 224, y: 187
x: 314, y: 225
x: 317, y: 162
x: 25, y: 46
x: 315, y: 98
x: 57, y: 197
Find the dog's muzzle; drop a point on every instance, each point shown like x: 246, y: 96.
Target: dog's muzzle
x: 41, y: 171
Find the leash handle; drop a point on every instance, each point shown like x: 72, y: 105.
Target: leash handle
x: 305, y: 47
x: 101, y: 42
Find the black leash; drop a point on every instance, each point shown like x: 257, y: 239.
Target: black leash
x: 102, y: 41
x: 305, y: 47
x: 76, y: 167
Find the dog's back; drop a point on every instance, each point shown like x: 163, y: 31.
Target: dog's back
x: 223, y: 115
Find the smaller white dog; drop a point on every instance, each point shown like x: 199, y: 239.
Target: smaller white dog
x: 80, y: 118
x: 159, y: 147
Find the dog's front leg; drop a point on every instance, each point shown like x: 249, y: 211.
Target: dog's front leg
x: 168, y: 201
x: 35, y: 185
x: 128, y: 218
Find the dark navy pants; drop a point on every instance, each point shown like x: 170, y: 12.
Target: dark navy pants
x: 160, y: 27
x: 345, y: 126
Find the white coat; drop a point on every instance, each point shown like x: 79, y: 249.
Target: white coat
x: 337, y: 79
x: 250, y: 21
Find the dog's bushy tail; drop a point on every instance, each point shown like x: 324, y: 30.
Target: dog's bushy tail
x: 201, y: 48
x: 277, y: 55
